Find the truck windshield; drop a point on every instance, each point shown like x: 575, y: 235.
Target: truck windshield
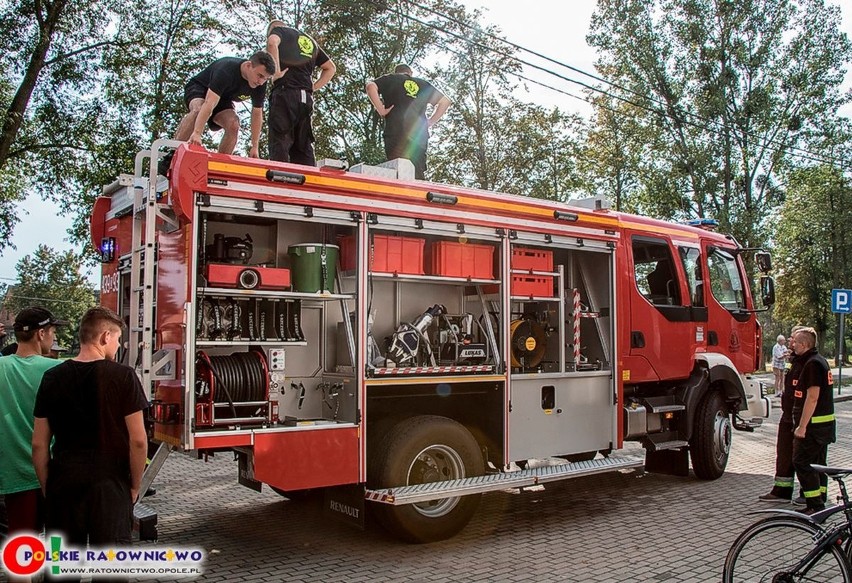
x: 725, y: 281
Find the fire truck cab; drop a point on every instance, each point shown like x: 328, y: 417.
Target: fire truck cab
x: 419, y: 344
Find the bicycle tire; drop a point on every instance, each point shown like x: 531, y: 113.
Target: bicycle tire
x: 767, y: 548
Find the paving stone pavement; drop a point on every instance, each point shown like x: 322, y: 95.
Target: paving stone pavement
x: 609, y: 528
x: 613, y: 527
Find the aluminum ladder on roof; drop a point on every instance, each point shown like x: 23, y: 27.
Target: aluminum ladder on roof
x: 149, y: 216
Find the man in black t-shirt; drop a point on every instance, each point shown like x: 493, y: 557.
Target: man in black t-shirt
x: 291, y: 104
x: 93, y: 408
x: 211, y: 94
x: 813, y: 417
x: 403, y: 100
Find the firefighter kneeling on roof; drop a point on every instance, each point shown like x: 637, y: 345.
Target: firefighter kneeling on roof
x: 813, y: 416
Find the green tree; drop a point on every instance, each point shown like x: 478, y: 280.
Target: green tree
x: 489, y: 138
x: 142, y: 92
x: 49, y: 56
x: 53, y: 280
x: 812, y: 249
x: 731, y: 87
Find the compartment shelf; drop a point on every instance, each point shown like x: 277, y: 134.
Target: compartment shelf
x: 440, y: 279
x: 271, y: 294
x: 534, y: 299
x: 266, y: 342
x: 533, y: 272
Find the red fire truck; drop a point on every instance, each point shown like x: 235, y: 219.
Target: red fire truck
x: 407, y: 346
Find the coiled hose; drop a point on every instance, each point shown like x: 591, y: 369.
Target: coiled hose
x: 239, y: 377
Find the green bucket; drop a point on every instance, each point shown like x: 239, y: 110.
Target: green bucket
x: 313, y: 266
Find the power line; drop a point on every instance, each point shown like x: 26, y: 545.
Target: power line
x: 808, y: 155
x: 791, y: 150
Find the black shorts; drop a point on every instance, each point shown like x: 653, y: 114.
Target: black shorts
x: 195, y: 90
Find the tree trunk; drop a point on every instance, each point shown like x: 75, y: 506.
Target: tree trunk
x: 18, y: 107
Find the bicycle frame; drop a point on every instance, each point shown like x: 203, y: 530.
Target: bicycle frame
x: 840, y: 535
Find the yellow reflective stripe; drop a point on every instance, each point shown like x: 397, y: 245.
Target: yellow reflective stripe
x: 521, y: 208
x: 811, y: 493
x: 822, y: 418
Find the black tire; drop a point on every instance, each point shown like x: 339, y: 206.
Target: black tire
x: 710, y: 445
x: 421, y: 450
x: 768, y: 549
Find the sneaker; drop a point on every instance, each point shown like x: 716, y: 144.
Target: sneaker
x: 773, y: 498
x: 812, y: 511
x: 800, y: 501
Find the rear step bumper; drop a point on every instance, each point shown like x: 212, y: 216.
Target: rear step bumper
x: 501, y: 481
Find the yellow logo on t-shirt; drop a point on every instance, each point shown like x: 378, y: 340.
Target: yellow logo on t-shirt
x: 242, y: 97
x: 411, y: 88
x: 306, y: 46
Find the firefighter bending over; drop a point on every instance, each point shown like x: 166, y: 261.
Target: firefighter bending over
x: 211, y: 94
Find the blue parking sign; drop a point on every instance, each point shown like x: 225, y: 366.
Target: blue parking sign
x: 841, y: 301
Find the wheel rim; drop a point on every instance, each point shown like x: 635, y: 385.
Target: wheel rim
x: 722, y: 434
x: 769, y: 551
x: 436, y: 463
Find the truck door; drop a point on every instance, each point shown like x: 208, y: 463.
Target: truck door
x: 661, y: 327
x: 730, y: 328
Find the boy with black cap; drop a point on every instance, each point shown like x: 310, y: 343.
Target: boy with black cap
x: 20, y: 376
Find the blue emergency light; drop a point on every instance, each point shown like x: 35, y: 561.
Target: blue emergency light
x: 707, y: 224
x: 107, y: 249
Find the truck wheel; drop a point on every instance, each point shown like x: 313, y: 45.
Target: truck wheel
x: 711, y: 439
x: 419, y: 451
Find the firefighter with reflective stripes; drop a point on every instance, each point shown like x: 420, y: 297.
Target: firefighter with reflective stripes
x: 813, y: 416
x: 782, y: 488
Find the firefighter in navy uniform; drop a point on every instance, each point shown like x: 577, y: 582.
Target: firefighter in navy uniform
x: 402, y: 100
x: 813, y: 416
x: 782, y: 489
x: 291, y: 104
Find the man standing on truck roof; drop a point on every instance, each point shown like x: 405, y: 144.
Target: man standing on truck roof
x: 813, y: 416
x: 402, y: 101
x: 210, y: 96
x: 291, y: 104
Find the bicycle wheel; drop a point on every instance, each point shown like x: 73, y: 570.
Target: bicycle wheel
x: 767, y: 551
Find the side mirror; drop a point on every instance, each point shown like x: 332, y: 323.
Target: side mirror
x: 763, y: 261
x: 767, y: 290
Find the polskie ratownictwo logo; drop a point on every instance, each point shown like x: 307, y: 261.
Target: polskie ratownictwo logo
x: 27, y: 554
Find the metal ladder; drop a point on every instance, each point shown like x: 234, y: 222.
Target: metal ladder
x: 149, y: 215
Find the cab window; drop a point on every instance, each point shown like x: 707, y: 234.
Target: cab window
x: 690, y: 257
x: 655, y: 272
x: 725, y: 281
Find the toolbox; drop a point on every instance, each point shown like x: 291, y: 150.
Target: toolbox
x: 388, y: 254
x: 452, y: 259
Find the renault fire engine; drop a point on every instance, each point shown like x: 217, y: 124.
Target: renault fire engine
x: 407, y: 346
